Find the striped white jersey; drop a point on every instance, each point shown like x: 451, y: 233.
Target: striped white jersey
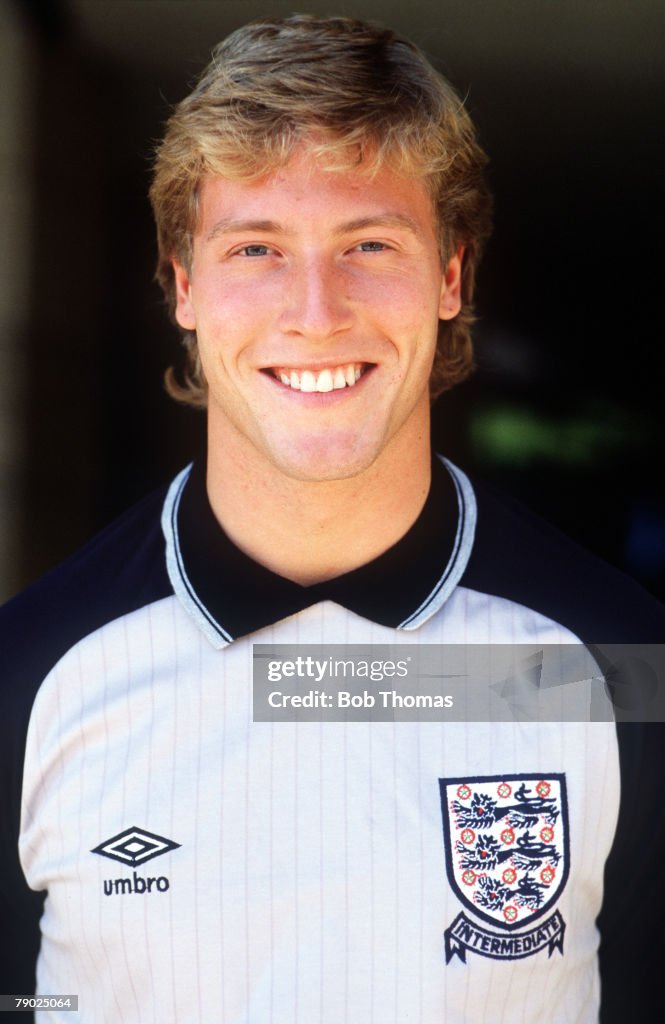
x: 169, y: 859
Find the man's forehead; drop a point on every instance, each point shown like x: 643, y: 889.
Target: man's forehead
x: 347, y: 199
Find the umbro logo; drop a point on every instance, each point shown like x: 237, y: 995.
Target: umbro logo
x: 135, y: 846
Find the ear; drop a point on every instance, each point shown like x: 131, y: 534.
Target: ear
x: 450, y: 301
x: 184, y: 309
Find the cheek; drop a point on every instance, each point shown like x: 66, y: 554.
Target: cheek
x: 224, y: 322
x: 410, y: 301
x: 415, y: 324
x: 233, y: 302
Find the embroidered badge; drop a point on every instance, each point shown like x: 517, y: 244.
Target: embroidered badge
x: 135, y: 846
x: 507, y: 858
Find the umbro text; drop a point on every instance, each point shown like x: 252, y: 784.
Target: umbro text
x: 135, y: 884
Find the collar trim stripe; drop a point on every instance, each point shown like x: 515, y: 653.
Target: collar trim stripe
x: 175, y: 566
x: 201, y: 601
x: 463, y: 545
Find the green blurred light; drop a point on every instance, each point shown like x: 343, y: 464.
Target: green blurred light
x: 518, y: 436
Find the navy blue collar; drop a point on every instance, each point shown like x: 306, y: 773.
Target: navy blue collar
x: 237, y: 596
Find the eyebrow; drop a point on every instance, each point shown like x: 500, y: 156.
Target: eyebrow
x: 381, y: 220
x: 230, y: 225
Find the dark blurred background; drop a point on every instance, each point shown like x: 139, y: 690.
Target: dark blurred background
x: 566, y: 410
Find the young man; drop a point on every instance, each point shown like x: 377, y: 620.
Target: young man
x: 321, y: 209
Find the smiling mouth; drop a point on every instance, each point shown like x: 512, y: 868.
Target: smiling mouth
x: 331, y: 378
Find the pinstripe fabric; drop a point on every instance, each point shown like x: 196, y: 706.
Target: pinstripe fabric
x: 305, y: 878
x: 309, y: 884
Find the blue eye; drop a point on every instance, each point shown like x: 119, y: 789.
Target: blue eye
x: 371, y: 246
x: 255, y: 250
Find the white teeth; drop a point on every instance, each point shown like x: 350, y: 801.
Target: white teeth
x: 331, y: 378
x: 325, y: 381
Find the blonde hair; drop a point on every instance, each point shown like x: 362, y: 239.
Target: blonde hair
x: 363, y: 97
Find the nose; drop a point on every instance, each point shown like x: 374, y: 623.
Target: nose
x: 315, y: 300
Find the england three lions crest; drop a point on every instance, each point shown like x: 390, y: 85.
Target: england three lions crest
x: 507, y: 858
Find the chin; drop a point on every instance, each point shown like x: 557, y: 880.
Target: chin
x: 325, y: 461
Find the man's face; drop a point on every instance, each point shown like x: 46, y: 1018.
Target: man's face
x: 315, y: 296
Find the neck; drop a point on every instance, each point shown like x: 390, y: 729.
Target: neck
x: 311, y: 531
